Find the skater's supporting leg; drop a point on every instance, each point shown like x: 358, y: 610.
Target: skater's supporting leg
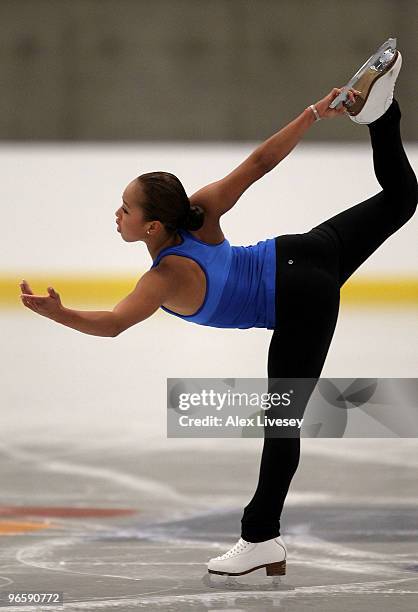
x: 306, y: 314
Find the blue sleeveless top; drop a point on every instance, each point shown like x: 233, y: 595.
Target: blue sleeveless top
x: 240, y: 282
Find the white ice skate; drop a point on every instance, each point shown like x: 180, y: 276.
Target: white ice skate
x: 246, y: 557
x: 376, y: 81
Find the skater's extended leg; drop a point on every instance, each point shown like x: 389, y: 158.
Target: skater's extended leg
x: 361, y: 229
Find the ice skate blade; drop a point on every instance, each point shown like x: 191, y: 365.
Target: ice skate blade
x: 375, y: 66
x: 250, y: 582
x: 366, y: 83
x: 272, y: 569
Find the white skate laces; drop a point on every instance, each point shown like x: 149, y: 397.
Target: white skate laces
x: 237, y: 549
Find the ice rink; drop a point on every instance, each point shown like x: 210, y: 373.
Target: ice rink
x: 98, y: 504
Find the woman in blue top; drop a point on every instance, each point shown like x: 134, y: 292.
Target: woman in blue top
x: 290, y: 283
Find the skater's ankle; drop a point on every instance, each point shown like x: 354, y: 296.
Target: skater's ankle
x: 392, y: 115
x: 258, y: 540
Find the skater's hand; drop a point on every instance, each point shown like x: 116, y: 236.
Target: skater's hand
x: 49, y: 306
x: 323, y: 105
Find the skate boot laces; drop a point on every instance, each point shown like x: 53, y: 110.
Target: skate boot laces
x: 238, y: 548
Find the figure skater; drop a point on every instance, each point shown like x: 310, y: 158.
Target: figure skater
x: 289, y: 284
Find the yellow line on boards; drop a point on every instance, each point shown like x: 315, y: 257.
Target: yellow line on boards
x: 108, y: 290
x: 89, y: 290
x: 380, y: 291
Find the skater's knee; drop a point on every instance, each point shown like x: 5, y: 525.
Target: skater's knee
x: 403, y: 204
x: 409, y: 201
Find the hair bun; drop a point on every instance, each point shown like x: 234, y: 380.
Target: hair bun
x: 194, y: 218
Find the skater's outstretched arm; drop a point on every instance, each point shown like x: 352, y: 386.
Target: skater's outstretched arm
x: 151, y: 291
x: 219, y: 197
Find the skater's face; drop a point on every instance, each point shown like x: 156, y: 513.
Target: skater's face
x: 130, y: 216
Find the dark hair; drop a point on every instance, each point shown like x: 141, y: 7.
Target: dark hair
x: 166, y: 201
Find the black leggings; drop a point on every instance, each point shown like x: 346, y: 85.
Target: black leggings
x: 311, y: 269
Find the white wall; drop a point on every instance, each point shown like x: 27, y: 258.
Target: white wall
x: 58, y: 201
